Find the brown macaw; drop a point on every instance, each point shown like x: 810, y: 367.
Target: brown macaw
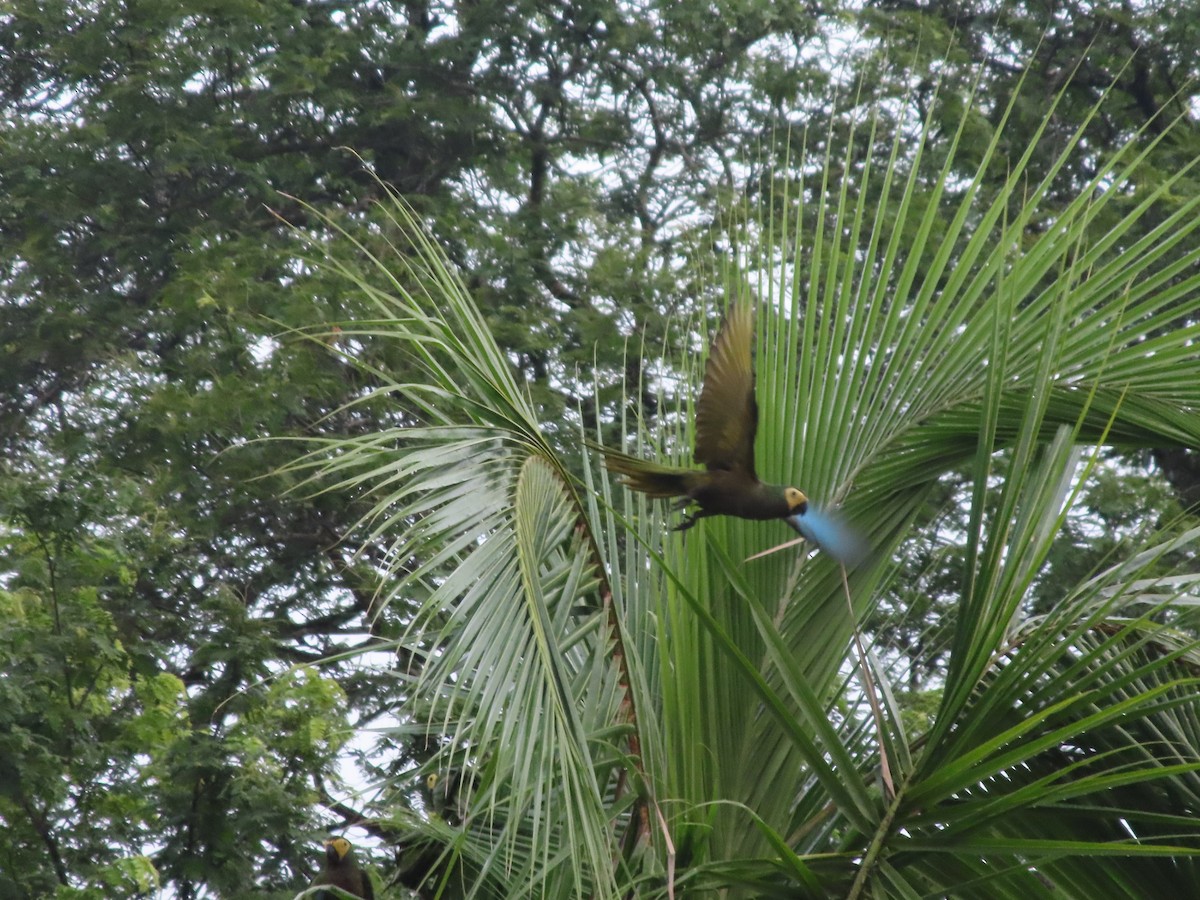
x: 341, y: 871
x: 726, y: 422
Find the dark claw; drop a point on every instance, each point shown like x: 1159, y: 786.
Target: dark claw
x: 688, y: 522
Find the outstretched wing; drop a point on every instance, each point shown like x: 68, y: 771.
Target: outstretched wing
x: 727, y: 415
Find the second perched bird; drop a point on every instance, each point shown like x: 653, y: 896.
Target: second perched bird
x: 726, y: 422
x: 342, y: 871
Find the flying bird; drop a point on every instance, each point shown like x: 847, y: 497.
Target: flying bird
x: 341, y: 871
x: 726, y: 423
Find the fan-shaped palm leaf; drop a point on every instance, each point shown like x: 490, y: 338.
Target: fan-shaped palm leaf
x: 588, y: 668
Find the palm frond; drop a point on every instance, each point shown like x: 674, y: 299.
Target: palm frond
x: 878, y: 375
x: 487, y: 544
x: 585, y: 665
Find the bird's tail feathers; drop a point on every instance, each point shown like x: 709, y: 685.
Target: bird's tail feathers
x: 650, y: 478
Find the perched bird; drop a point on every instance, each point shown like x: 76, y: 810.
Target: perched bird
x: 342, y: 871
x: 726, y: 422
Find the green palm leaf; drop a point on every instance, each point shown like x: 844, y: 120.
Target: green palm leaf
x: 590, y: 669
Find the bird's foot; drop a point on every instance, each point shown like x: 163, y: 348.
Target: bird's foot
x: 688, y: 522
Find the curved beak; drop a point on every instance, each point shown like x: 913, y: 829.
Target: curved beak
x: 831, y: 534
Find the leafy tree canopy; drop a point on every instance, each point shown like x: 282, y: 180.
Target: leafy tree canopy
x: 581, y: 168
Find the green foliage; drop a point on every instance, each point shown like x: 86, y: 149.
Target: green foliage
x: 151, y: 297
x: 594, y: 672
x: 102, y: 755
x: 579, y: 167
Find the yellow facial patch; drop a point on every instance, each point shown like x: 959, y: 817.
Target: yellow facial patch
x: 795, y: 498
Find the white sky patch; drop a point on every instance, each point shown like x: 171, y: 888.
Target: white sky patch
x: 263, y: 349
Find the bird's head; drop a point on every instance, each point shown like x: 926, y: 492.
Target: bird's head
x: 796, y: 501
x: 336, y: 850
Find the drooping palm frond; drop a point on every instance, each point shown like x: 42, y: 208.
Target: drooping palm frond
x: 588, y: 669
x: 525, y: 684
